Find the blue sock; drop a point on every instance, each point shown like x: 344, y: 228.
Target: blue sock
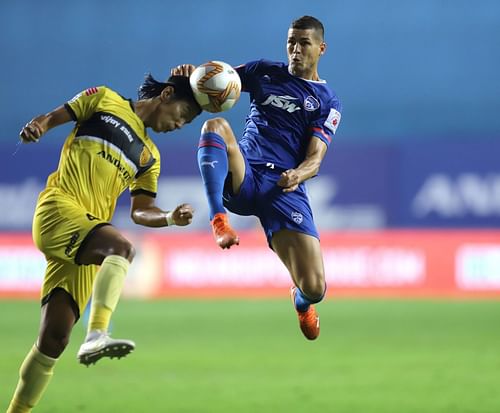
x: 212, y: 161
x: 302, y: 303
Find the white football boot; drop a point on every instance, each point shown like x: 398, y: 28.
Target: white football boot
x: 99, y: 344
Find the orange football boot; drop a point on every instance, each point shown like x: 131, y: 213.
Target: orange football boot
x: 224, y: 235
x: 308, y: 320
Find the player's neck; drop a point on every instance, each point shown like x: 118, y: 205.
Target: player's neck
x: 308, y: 75
x: 312, y: 74
x: 143, y: 109
x: 315, y: 77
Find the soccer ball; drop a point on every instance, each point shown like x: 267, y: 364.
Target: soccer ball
x: 216, y: 86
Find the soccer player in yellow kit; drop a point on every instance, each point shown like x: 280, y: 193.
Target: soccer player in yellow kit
x: 107, y: 152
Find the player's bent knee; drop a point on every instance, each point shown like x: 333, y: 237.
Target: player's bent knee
x: 53, y: 342
x: 314, y: 291
x: 219, y: 126
x: 130, y: 252
x: 120, y: 247
x: 124, y: 249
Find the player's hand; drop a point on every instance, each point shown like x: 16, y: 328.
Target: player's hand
x: 182, y: 70
x: 32, y: 131
x: 289, y: 180
x: 183, y: 215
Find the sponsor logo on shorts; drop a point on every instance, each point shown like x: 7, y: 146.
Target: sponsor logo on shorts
x: 71, y: 244
x: 297, y: 217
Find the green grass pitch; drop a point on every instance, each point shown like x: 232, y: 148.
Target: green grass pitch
x: 373, y: 356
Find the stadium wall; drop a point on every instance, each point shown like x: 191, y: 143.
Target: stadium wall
x: 360, y: 186
x: 398, y: 263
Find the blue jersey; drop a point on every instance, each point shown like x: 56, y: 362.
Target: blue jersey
x: 285, y: 112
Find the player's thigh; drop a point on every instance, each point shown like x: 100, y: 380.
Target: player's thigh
x: 103, y: 241
x: 236, y: 162
x: 61, y: 226
x: 301, y: 254
x: 76, y: 280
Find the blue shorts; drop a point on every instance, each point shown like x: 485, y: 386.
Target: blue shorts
x: 260, y: 195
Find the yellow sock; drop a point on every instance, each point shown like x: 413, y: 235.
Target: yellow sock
x: 107, y: 290
x: 99, y: 318
x: 34, y: 376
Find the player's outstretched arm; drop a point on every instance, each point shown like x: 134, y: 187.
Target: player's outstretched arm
x: 292, y: 178
x: 36, y: 127
x: 145, y: 212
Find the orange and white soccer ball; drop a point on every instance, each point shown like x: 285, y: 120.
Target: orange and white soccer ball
x: 216, y: 86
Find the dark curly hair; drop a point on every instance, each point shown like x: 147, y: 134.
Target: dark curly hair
x: 151, y: 88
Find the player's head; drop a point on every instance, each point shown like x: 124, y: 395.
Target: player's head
x: 172, y: 101
x: 305, y: 45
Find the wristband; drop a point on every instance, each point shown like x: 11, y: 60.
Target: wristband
x: 169, y: 217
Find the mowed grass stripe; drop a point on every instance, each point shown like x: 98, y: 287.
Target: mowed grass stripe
x: 246, y: 356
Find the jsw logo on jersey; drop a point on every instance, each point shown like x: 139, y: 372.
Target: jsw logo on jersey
x: 282, y: 102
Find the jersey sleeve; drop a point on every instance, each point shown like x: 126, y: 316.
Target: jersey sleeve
x: 147, y: 183
x: 247, y: 73
x: 325, y: 126
x: 84, y: 104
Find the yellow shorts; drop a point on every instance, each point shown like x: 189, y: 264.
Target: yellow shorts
x: 60, y: 227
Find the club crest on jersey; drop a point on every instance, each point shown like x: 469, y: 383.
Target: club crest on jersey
x: 297, y: 217
x: 145, y: 157
x: 311, y: 104
x: 282, y: 102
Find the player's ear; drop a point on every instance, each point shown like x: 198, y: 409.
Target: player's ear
x: 167, y: 93
x: 322, y: 48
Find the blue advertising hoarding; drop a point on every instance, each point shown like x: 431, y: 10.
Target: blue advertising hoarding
x: 443, y: 185
x: 448, y: 184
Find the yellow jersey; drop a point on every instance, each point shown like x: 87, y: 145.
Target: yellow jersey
x: 107, y: 152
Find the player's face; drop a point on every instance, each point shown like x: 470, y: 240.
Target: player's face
x: 304, y: 48
x: 174, y: 114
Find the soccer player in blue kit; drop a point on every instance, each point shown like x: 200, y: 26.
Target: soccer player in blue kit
x: 293, y: 117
